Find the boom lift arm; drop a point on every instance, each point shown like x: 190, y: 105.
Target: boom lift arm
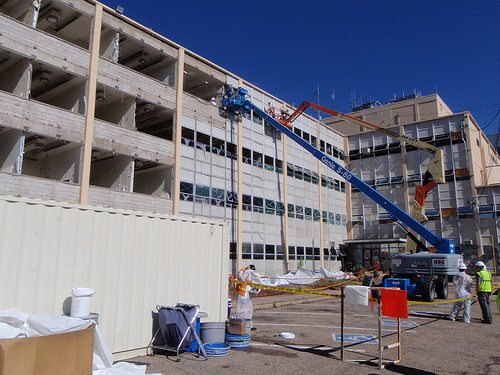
x: 435, y: 168
x: 236, y: 100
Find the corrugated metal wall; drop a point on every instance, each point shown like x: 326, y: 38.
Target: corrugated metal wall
x: 134, y: 261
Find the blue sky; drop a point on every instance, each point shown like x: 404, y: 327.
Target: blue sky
x: 370, y: 49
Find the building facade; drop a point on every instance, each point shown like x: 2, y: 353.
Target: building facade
x: 466, y: 208
x: 96, y: 109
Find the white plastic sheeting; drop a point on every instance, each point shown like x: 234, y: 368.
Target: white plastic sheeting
x: 18, y: 324
x: 133, y: 260
x: 303, y: 277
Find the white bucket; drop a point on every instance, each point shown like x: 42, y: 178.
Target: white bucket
x: 80, y: 302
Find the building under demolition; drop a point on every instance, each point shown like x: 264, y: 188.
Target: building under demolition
x: 465, y: 208
x: 96, y: 109
x: 99, y: 110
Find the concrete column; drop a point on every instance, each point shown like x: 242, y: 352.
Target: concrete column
x: 404, y: 164
x: 11, y: 151
x: 285, y: 202
x: 239, y: 223
x: 348, y: 200
x: 470, y: 141
x: 320, y: 203
x: 110, y: 46
x: 26, y: 11
x: 17, y: 78
x: 90, y: 114
x: 178, y: 131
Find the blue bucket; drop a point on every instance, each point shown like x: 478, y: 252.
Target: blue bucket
x: 216, y: 349
x: 238, y: 342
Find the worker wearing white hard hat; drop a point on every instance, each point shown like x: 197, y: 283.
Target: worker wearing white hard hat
x: 484, y: 285
x: 463, y: 284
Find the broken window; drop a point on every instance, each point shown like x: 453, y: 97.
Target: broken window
x: 258, y: 204
x: 270, y: 207
x: 186, y: 191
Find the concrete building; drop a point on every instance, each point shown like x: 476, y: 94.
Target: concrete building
x: 466, y: 208
x: 96, y: 109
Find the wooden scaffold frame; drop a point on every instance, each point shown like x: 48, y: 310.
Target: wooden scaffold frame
x: 382, y: 363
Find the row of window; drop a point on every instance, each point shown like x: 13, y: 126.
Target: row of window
x: 221, y: 198
x: 325, y: 147
x: 395, y: 148
x: 267, y: 162
x: 207, y: 143
x: 463, y: 212
x: 413, y: 179
x: 276, y: 252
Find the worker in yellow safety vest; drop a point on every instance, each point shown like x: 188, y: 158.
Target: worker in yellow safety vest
x: 483, y: 290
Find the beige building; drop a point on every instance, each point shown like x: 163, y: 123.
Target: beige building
x: 466, y: 208
x: 119, y: 170
x: 96, y: 109
x: 99, y: 110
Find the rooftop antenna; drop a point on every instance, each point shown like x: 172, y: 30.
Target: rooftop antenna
x: 333, y: 98
x: 319, y: 113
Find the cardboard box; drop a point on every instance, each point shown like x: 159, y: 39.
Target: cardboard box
x: 66, y: 353
x: 235, y: 327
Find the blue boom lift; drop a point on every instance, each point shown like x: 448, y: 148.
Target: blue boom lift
x: 422, y: 273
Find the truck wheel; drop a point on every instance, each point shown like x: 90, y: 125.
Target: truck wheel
x: 428, y: 289
x: 368, y: 281
x: 442, y: 287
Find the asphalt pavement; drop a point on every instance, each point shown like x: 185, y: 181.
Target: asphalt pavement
x: 430, y: 342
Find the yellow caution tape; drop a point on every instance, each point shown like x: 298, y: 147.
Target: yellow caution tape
x: 340, y: 283
x: 313, y: 292
x: 438, y: 303
x: 447, y: 301
x: 281, y: 289
x: 290, y: 290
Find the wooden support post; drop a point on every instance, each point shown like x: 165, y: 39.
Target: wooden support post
x: 380, y: 365
x: 342, y: 323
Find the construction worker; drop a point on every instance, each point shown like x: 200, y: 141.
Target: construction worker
x: 483, y: 291
x: 244, y: 309
x: 463, y: 283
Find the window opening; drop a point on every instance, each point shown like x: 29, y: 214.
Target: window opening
x: 186, y: 191
x: 270, y: 252
x: 258, y: 251
x: 258, y: 204
x: 270, y: 207
x: 247, y: 202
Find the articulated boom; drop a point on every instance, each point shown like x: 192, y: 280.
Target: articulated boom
x: 435, y: 168
x: 235, y: 100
